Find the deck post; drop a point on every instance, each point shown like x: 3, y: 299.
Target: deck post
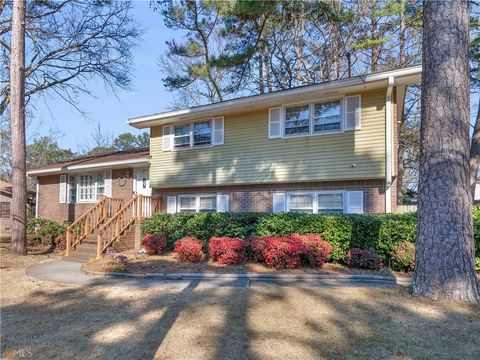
x: 135, y: 207
x: 99, y: 245
x: 140, y: 205
x: 68, y: 244
x: 117, y: 229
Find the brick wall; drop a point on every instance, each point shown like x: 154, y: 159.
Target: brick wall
x: 258, y: 198
x: 50, y: 208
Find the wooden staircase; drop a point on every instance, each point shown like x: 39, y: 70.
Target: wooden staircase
x: 109, y: 223
x: 86, y: 250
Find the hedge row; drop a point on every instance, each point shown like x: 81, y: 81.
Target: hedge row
x: 381, y: 232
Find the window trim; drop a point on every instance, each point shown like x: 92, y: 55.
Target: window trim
x: 191, y: 124
x: 314, y: 195
x: 197, y: 202
x: 311, y: 105
x: 78, y: 186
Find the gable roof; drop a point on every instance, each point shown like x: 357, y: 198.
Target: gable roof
x: 405, y: 76
x: 108, y: 160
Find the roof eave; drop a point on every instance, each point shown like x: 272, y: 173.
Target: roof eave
x: 144, y: 161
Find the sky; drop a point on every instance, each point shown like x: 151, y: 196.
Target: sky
x: 112, y: 110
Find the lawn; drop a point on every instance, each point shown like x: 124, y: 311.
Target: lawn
x: 200, y: 321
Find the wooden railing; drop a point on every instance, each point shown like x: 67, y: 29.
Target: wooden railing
x: 136, y: 209
x: 90, y: 220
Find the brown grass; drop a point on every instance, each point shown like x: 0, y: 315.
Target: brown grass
x: 195, y: 320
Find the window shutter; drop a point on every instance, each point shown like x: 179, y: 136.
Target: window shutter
x: 218, y: 126
x: 171, y: 204
x: 222, y: 203
x: 108, y: 183
x: 353, y: 112
x: 354, y: 203
x: 278, y: 202
x: 167, y: 138
x: 62, y: 196
x: 274, y: 123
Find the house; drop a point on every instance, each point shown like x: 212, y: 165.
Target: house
x: 323, y: 148
x: 329, y: 147
x: 5, y: 199
x: 67, y: 190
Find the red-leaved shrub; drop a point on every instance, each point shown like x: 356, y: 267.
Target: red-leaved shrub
x: 283, y: 252
x: 315, y: 250
x: 364, y: 258
x: 227, y: 250
x: 60, y: 243
x: 189, y: 249
x: 256, y: 247
x: 154, y: 244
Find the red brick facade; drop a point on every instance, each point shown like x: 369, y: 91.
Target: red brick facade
x: 259, y: 198
x: 48, y: 197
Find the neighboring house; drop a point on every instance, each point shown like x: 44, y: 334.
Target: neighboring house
x: 67, y: 190
x: 324, y: 148
x: 5, y: 199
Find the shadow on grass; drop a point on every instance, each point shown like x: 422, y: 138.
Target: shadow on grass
x: 137, y: 321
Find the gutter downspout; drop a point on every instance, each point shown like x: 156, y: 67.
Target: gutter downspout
x: 388, y: 145
x: 37, y: 197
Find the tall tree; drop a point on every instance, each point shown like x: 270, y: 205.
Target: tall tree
x: 68, y: 43
x: 475, y: 85
x: 190, y: 66
x: 18, y: 208
x: 45, y: 150
x: 129, y: 141
x: 444, y: 268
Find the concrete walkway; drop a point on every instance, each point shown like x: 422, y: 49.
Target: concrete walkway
x: 69, y: 272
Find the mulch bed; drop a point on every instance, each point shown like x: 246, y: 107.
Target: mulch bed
x: 167, y: 263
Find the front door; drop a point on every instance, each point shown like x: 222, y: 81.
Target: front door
x: 142, y: 182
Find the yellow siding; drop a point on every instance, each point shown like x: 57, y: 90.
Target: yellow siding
x: 249, y: 157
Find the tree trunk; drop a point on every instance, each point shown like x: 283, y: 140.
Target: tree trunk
x: 17, y: 122
x: 475, y: 153
x: 444, y: 267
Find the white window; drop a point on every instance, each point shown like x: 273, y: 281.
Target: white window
x: 90, y: 187
x: 197, y: 203
x: 187, y: 204
x: 181, y: 136
x: 301, y: 203
x: 192, y: 135
x: 330, y: 116
x: 297, y: 120
x: 327, y: 116
x: 330, y: 203
x: 202, y: 133
x: 316, y: 202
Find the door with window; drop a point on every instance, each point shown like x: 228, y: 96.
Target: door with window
x: 142, y: 182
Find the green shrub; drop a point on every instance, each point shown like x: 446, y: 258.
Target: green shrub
x: 44, y: 228
x: 382, y: 232
x: 202, y: 226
